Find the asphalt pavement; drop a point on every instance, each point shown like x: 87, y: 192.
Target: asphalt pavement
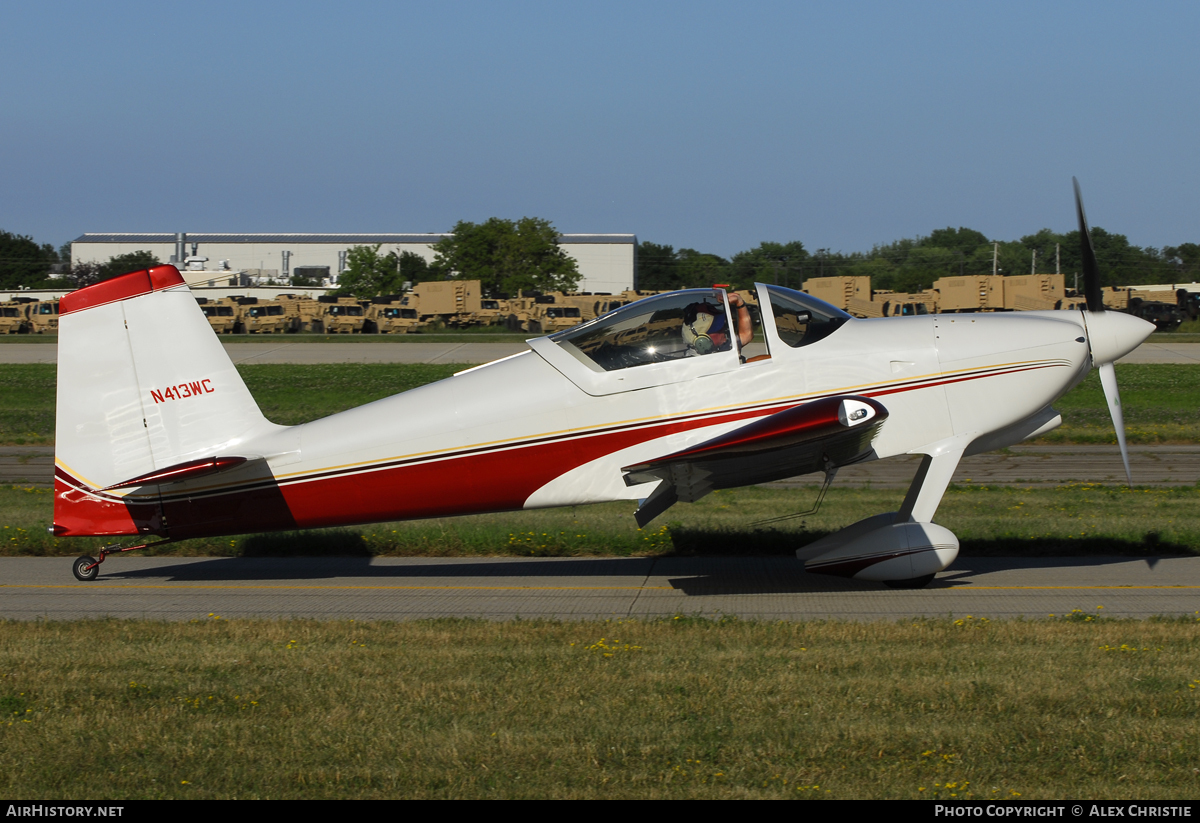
x: 775, y: 588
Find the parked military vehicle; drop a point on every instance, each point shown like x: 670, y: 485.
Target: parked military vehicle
x: 224, y: 314
x: 42, y: 316
x: 342, y: 315
x: 304, y: 313
x: 970, y: 293
x: 1164, y: 316
x: 1188, y: 302
x: 1033, y: 292
x: 884, y: 303
x: 390, y: 314
x: 451, y: 303
x: 542, y: 313
x: 265, y: 317
x: 12, y: 318
x: 840, y: 291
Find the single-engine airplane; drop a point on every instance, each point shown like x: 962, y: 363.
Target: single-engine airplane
x: 663, y: 400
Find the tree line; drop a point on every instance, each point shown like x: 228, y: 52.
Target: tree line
x: 508, y: 256
x: 909, y: 265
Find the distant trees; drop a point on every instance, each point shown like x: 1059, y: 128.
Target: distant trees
x: 369, y: 273
x: 661, y: 267
x: 1185, y: 258
x: 913, y: 263
x: 506, y: 256
x: 23, y: 263
x: 778, y: 263
x: 125, y: 263
x: 413, y: 268
x: 84, y: 274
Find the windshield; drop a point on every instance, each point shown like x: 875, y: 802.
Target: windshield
x: 801, y: 319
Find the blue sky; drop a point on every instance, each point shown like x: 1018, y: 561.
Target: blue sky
x: 712, y: 125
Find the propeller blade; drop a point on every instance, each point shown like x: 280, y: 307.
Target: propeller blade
x: 1108, y: 379
x: 1091, y: 272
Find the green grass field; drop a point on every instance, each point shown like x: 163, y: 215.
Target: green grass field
x: 1071, y: 707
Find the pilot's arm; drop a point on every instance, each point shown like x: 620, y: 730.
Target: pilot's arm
x: 741, y: 319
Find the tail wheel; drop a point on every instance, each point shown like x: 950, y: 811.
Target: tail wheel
x: 85, y: 568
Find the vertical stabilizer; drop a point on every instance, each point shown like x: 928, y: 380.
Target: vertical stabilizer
x: 143, y: 385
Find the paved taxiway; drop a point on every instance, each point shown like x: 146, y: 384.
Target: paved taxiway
x: 586, y: 589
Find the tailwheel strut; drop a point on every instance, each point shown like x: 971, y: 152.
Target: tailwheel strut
x: 87, y: 568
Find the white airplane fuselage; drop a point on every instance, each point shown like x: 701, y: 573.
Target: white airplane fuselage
x: 158, y: 435
x: 517, y: 433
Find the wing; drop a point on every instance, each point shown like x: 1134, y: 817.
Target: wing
x: 815, y: 436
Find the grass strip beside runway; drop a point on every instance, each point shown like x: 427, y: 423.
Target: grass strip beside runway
x: 1075, y: 520
x: 932, y: 708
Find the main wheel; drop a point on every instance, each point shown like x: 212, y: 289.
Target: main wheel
x: 910, y: 583
x: 81, y: 570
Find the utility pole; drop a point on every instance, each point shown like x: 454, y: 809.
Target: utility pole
x: 1057, y: 267
x: 995, y: 259
x: 1033, y: 265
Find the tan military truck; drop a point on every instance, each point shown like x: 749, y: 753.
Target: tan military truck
x: 542, y: 313
x: 390, y: 314
x: 1154, y: 295
x: 264, y: 316
x: 12, y: 318
x: 342, y: 315
x: 886, y: 303
x: 839, y: 291
x: 1114, y: 297
x: 224, y: 314
x: 972, y: 292
x: 449, y: 302
x: 491, y: 312
x: 42, y: 316
x: 1034, y: 292
x: 303, y: 312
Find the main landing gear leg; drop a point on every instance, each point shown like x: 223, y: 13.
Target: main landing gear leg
x: 87, y: 568
x: 925, y: 494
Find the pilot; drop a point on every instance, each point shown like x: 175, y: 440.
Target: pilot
x: 705, y: 330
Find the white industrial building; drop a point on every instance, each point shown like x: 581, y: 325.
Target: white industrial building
x: 606, y: 261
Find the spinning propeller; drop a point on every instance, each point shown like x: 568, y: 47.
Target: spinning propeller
x: 1110, y: 335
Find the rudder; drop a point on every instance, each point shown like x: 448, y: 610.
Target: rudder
x: 143, y: 385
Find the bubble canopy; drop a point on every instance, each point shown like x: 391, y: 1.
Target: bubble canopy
x: 676, y: 336
x: 651, y: 330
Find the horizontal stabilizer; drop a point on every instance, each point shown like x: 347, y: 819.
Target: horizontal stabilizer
x: 181, y: 471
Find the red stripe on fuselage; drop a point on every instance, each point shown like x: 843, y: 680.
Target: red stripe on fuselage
x: 469, y: 484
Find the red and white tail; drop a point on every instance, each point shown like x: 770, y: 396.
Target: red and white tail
x: 145, y: 390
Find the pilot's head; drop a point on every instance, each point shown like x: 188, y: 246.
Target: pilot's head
x: 704, y: 328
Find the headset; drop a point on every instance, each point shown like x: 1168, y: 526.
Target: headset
x: 702, y: 343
